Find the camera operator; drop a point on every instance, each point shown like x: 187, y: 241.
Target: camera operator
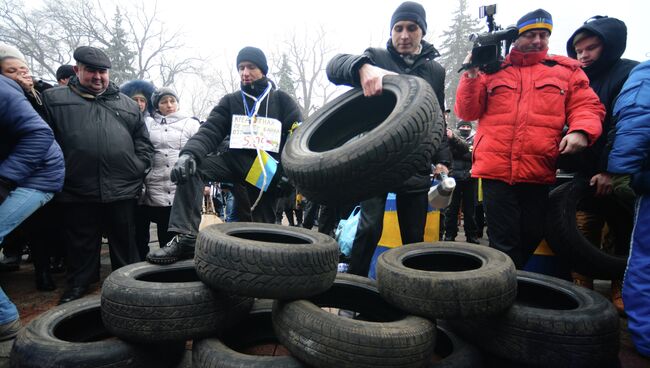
x: 522, y: 108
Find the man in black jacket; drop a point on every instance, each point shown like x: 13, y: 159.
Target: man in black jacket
x: 406, y: 53
x: 599, y: 44
x: 258, y: 118
x: 107, y: 155
x: 465, y: 191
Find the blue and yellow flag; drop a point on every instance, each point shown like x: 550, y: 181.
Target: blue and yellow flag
x: 255, y: 175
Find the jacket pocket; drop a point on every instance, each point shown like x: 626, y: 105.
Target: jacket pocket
x: 502, y: 96
x: 549, y: 97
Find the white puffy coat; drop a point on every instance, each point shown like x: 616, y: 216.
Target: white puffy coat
x: 168, y: 135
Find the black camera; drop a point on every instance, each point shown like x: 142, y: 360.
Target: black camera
x: 487, y: 50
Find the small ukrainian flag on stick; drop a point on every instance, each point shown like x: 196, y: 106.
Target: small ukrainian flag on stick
x: 263, y: 164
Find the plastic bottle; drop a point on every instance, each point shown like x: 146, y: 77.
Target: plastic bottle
x: 440, y: 194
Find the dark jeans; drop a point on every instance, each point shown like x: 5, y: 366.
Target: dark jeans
x: 144, y: 216
x: 515, y: 217
x: 465, y: 192
x: 185, y: 216
x: 83, y: 224
x: 412, y: 217
x: 479, y: 215
x: 229, y: 207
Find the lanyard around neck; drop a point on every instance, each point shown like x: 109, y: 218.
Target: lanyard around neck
x: 258, y: 101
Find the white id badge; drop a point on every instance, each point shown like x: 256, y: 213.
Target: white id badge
x: 265, y: 133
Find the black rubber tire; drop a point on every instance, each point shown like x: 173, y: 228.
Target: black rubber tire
x: 72, y: 335
x: 447, y: 279
x: 568, y: 242
x: 381, y: 336
x: 266, y: 260
x: 329, y: 160
x: 144, y: 302
x: 553, y: 323
x: 454, y: 352
x: 256, y: 328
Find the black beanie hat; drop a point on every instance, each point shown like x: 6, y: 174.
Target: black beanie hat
x: 64, y: 71
x: 255, y: 56
x: 537, y: 19
x: 412, y: 11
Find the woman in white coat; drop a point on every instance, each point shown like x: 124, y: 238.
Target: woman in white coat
x: 169, y: 130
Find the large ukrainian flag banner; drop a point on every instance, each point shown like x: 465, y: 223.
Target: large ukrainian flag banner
x: 255, y: 174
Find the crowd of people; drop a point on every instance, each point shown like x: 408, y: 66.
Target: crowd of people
x: 87, y: 158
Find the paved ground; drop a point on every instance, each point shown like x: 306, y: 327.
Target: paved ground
x: 20, y: 287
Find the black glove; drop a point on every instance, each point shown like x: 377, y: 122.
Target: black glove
x: 183, y: 168
x: 6, y: 186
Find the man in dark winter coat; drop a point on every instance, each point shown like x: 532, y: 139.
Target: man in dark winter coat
x: 258, y: 118
x: 598, y: 45
x: 31, y: 171
x: 465, y: 191
x: 107, y: 154
x: 406, y: 53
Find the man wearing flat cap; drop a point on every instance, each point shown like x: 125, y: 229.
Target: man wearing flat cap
x: 257, y: 119
x: 406, y: 52
x: 107, y: 153
x: 521, y: 110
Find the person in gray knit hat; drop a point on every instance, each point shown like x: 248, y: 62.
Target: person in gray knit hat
x: 169, y: 130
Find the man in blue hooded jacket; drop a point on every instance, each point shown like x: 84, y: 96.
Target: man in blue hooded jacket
x: 630, y: 155
x: 31, y: 171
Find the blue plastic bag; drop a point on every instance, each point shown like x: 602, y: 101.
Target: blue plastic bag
x: 346, y: 231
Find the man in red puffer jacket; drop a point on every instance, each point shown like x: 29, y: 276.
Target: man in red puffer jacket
x: 522, y: 109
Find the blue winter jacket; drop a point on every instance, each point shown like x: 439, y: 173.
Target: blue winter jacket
x: 631, y: 151
x: 29, y: 155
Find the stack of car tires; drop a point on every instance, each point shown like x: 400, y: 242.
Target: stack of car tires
x: 426, y: 297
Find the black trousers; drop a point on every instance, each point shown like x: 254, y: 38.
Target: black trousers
x: 311, y: 213
x: 464, y: 193
x: 46, y: 235
x: 412, y: 217
x: 515, y: 217
x: 330, y: 215
x: 144, y: 216
x: 83, y: 224
x: 185, y: 215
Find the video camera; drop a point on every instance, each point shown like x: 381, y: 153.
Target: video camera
x: 487, y: 50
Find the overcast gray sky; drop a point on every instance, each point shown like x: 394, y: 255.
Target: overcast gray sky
x: 223, y: 27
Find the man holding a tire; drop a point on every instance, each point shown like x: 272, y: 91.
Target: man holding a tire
x: 406, y: 53
x: 522, y: 109
x: 257, y: 119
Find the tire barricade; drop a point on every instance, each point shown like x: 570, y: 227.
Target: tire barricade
x: 427, y: 299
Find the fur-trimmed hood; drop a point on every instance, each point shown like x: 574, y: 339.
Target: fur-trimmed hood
x: 132, y: 87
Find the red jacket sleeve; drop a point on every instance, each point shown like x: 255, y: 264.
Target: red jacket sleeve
x: 584, y: 111
x: 471, y: 97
